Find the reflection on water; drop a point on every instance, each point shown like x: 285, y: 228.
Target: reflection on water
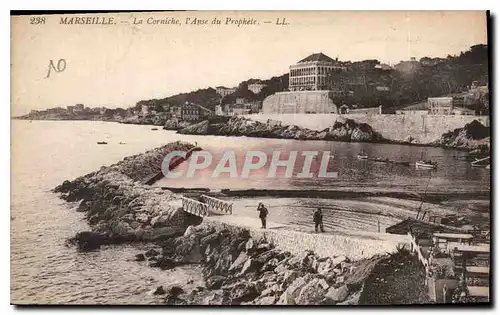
x: 44, y: 153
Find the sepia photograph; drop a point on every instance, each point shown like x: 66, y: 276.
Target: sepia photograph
x: 250, y: 158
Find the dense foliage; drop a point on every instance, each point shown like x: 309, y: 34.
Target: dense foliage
x: 367, y: 84
x: 412, y: 81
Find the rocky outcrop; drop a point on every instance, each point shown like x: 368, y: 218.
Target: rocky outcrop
x: 175, y: 124
x: 341, y: 130
x: 241, y: 270
x: 117, y: 203
x: 474, y: 136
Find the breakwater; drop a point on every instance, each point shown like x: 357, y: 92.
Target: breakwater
x: 416, y: 129
x: 121, y: 208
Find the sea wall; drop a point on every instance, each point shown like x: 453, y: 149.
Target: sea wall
x: 421, y: 129
x: 300, y: 101
x: 325, y: 245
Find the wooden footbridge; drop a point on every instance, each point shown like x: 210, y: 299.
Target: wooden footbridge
x: 206, y: 206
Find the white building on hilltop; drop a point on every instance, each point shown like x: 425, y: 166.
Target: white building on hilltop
x: 311, y: 73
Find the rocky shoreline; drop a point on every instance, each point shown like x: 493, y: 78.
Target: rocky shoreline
x: 239, y: 269
x: 342, y: 130
x: 473, y: 137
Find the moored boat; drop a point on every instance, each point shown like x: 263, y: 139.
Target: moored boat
x: 481, y: 162
x: 362, y: 155
x: 102, y: 142
x: 426, y: 164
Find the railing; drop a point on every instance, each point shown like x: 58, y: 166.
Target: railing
x: 421, y: 257
x: 217, y: 204
x: 194, y: 207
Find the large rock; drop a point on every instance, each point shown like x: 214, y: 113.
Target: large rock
x: 242, y: 292
x: 288, y: 277
x: 335, y: 295
x: 88, y: 241
x: 239, y: 262
x: 215, y: 282
x: 313, y: 292
x: 293, y: 290
x: 189, y: 231
x: 142, y: 218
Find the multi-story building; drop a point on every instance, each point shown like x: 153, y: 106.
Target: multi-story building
x: 190, y: 112
x: 224, y: 91
x: 176, y: 111
x: 256, y: 87
x: 311, y: 73
x: 194, y: 112
x: 440, y: 105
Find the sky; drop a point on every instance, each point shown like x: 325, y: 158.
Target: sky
x: 120, y: 64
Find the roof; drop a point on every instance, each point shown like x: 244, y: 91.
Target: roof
x: 475, y: 269
x: 453, y: 235
x: 317, y: 57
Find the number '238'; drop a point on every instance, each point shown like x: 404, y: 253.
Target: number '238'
x: 37, y: 20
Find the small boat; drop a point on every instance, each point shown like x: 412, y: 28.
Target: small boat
x: 154, y: 128
x: 121, y: 143
x: 362, y: 155
x: 426, y: 164
x: 481, y: 162
x: 102, y: 142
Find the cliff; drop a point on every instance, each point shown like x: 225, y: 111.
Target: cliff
x: 342, y: 130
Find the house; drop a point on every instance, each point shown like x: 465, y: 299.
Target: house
x: 256, y: 87
x: 219, y: 111
x: 176, y: 111
x: 440, y: 105
x: 224, y: 91
x: 190, y: 112
x: 145, y: 110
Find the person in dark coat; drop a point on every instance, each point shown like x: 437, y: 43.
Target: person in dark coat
x: 262, y: 214
x: 318, y: 220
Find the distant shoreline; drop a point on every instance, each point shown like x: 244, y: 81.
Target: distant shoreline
x: 380, y: 141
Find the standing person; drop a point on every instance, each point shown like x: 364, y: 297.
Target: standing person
x: 318, y: 220
x: 262, y: 214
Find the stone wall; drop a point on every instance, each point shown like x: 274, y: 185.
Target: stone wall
x: 299, y: 102
x: 325, y: 245
x: 421, y: 128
